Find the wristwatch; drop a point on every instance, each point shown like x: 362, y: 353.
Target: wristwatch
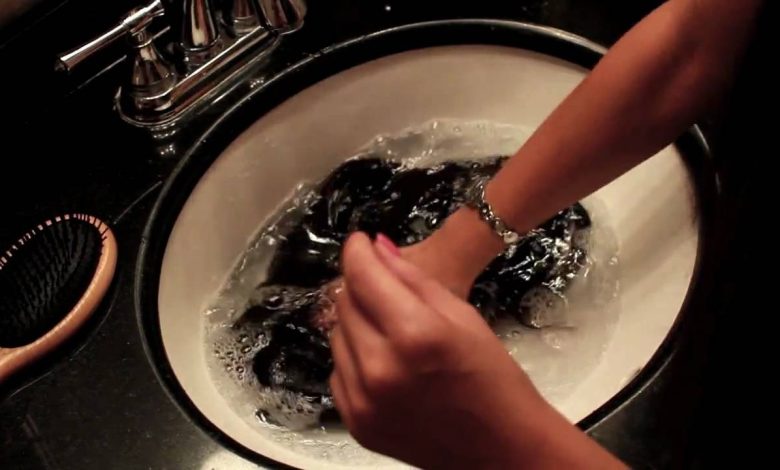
x: 475, y: 199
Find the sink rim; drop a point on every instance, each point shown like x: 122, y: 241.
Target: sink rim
x: 332, y: 60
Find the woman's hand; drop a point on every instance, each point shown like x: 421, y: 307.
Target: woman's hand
x: 458, y: 252
x: 421, y: 377
x: 454, y: 255
x: 435, y: 260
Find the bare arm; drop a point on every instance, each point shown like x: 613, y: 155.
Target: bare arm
x: 647, y: 90
x: 406, y: 346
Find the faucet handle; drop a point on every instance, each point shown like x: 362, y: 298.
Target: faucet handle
x: 153, y: 77
x: 199, y: 31
x: 283, y: 15
x: 241, y: 16
x: 137, y: 20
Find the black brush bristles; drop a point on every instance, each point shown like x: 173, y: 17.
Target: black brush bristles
x: 44, y: 274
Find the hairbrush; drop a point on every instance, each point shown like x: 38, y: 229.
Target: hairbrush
x: 51, y: 280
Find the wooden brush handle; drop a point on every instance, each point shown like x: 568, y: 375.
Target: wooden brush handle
x: 13, y: 359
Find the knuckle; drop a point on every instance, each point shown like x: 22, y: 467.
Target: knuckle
x: 351, y: 256
x: 429, y: 285
x: 422, y: 343
x: 379, y: 380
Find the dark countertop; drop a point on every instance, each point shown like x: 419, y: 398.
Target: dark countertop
x: 97, y: 402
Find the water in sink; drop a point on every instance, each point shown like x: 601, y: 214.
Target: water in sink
x: 289, y: 417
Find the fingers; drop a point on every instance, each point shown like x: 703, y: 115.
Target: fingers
x: 344, y: 380
x: 340, y: 397
x: 326, y: 317
x: 361, y: 336
x: 343, y: 359
x: 378, y: 292
x: 415, y: 279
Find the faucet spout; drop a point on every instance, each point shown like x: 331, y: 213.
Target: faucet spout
x: 204, y: 58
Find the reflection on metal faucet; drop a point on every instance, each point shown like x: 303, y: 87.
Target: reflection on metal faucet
x: 212, y: 53
x: 200, y: 30
x: 136, y: 20
x: 152, y: 76
x: 242, y: 17
x: 284, y: 15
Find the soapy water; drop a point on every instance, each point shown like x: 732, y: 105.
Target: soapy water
x: 579, y: 316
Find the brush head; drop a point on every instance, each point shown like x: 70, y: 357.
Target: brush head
x: 44, y: 275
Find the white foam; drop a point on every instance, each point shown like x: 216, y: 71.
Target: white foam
x: 584, y: 331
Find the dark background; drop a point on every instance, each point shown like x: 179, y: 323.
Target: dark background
x: 97, y: 403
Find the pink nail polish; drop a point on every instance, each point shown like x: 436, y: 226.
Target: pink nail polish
x: 387, y: 243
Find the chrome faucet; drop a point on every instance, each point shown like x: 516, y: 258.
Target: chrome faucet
x: 214, y: 46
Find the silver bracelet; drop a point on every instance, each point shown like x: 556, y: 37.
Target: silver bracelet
x: 475, y: 198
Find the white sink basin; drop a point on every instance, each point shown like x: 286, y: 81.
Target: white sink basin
x: 651, y: 211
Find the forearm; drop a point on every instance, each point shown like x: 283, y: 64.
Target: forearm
x: 542, y: 438
x: 566, y: 446
x: 648, y: 89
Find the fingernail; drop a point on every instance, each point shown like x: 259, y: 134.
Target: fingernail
x: 387, y: 243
